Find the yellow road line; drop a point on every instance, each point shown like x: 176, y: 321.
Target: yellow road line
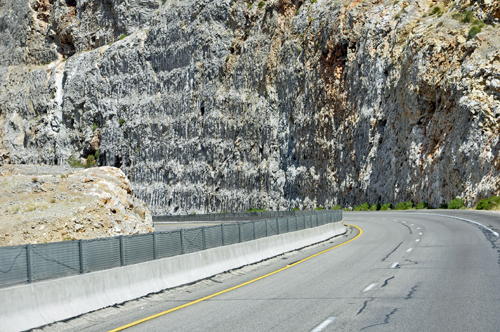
x: 233, y: 288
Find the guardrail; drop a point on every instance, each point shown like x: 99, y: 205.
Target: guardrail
x: 30, y: 263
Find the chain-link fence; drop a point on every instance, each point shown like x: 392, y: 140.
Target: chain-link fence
x: 234, y: 216
x: 35, y: 262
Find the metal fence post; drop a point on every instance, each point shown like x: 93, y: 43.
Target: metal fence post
x: 155, y: 243
x: 122, y: 256
x: 296, y: 224
x: 203, y: 235
x: 265, y: 221
x: 239, y: 232
x: 80, y: 251
x: 222, y: 233
x: 28, y: 263
x: 287, y: 225
x: 182, y: 241
x: 277, y: 226
x: 253, y: 223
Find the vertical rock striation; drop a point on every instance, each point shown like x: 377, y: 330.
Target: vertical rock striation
x: 224, y: 105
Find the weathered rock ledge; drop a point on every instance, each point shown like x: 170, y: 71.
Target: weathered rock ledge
x: 41, y: 204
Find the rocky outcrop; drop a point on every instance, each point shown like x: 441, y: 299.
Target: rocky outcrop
x: 41, y: 204
x: 224, y: 105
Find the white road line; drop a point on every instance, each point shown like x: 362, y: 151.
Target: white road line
x: 370, y: 287
x: 417, y: 240
x: 418, y: 227
x: 323, y: 325
x: 467, y: 220
x: 409, y: 250
x: 420, y: 233
x: 394, y: 265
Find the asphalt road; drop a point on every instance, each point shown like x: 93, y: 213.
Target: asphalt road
x: 406, y: 272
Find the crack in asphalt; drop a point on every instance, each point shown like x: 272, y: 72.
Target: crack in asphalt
x: 386, y: 282
x: 364, y: 305
x: 492, y: 239
x: 407, y: 227
x: 410, y: 294
x: 386, y: 320
x: 383, y: 259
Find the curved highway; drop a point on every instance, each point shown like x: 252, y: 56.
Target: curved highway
x: 405, y: 272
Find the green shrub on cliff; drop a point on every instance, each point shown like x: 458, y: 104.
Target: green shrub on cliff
x: 404, y: 205
x: 435, y: 10
x: 386, y: 207
x: 91, y: 162
x: 256, y: 210
x: 375, y: 207
x: 467, y: 17
x: 473, y: 32
x: 422, y: 205
x: 336, y: 207
x: 362, y: 207
x: 488, y: 203
x: 261, y: 4
x: 457, y: 203
x: 319, y: 208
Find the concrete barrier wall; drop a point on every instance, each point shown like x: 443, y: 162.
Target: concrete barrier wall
x: 29, y: 306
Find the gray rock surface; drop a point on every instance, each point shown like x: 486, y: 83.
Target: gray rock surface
x: 222, y: 105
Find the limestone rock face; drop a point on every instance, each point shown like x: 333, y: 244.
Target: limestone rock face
x: 41, y: 204
x: 224, y: 105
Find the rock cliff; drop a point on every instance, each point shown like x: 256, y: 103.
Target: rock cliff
x: 211, y: 105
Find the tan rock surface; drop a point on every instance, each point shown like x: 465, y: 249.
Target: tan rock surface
x: 41, y: 204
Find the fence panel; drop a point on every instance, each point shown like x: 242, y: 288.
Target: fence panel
x: 308, y: 222
x: 246, y: 231
x: 193, y: 240
x: 260, y: 229
x: 272, y: 228
x: 168, y: 244
x: 231, y: 234
x: 51, y: 260
x: 13, y: 265
x: 213, y: 236
x: 292, y: 224
x: 101, y: 254
x: 138, y: 248
x: 283, y: 227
